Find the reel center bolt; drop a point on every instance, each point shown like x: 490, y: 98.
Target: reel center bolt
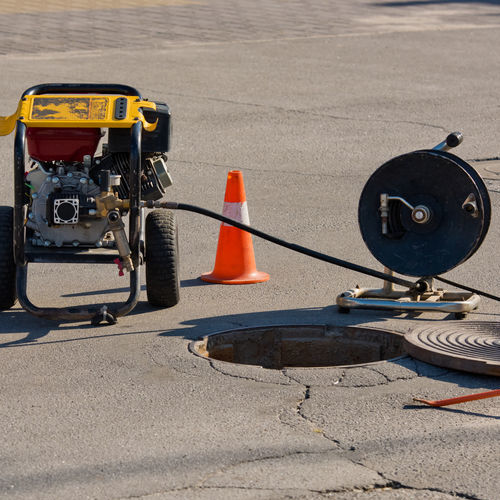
x: 421, y: 214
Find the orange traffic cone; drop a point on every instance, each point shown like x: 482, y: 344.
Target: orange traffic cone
x: 235, y: 259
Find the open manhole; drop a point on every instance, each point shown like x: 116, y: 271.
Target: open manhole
x: 277, y: 347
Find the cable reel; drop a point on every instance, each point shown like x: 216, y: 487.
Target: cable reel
x: 422, y: 214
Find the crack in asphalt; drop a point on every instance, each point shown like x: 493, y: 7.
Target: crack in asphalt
x: 389, y: 486
x: 396, y: 485
x: 245, y: 377
x: 252, y: 169
x: 307, y: 395
x: 318, y: 174
x: 386, y: 482
x: 159, y: 492
x: 307, y: 112
x: 293, y: 379
x: 223, y: 470
x: 396, y: 377
x: 194, y: 372
x: 299, y: 411
x: 284, y: 371
x: 374, y: 370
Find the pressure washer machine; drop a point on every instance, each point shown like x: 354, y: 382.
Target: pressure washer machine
x: 71, y: 200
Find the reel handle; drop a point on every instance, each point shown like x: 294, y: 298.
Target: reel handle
x: 452, y: 141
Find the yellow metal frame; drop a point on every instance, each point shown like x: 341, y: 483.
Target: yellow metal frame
x: 77, y: 110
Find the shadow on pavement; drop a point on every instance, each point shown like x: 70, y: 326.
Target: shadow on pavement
x: 450, y: 410
x: 19, y: 321
x: 416, y: 3
x: 184, y: 284
x: 37, y: 334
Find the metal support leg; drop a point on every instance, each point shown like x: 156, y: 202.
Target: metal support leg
x: 387, y: 298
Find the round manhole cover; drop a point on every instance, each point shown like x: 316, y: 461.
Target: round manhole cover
x: 469, y: 346
x: 278, y: 347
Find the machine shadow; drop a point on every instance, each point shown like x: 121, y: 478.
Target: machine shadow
x: 184, y: 284
x: 16, y: 320
x: 36, y: 329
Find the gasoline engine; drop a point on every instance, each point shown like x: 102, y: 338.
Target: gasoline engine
x: 82, y: 203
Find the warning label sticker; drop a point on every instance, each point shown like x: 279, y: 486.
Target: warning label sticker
x: 69, y: 108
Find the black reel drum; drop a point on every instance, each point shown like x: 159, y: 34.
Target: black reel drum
x: 424, y: 213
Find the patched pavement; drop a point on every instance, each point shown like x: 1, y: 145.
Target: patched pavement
x: 59, y: 26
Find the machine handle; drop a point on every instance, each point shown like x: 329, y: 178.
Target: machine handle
x: 97, y: 88
x: 452, y: 141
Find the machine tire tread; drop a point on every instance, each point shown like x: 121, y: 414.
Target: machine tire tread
x: 8, y: 294
x: 162, y: 259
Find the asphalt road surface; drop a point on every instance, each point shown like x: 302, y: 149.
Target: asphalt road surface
x: 307, y: 99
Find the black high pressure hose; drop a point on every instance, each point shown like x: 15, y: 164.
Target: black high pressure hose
x: 419, y: 286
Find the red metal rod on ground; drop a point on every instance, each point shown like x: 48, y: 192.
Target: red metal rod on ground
x: 460, y: 399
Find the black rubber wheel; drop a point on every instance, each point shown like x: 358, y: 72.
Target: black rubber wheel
x: 8, y: 295
x: 162, y: 259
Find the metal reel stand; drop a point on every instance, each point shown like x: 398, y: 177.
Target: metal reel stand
x: 421, y: 214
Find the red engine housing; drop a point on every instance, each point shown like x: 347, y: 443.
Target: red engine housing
x: 65, y: 144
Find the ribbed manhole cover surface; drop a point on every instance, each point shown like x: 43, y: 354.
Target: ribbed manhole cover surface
x: 469, y: 346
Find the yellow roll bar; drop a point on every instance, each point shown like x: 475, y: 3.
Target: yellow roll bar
x: 79, y: 110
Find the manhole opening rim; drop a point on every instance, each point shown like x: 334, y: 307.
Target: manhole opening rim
x: 192, y: 346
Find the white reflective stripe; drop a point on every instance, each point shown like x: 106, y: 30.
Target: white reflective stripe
x: 237, y: 211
